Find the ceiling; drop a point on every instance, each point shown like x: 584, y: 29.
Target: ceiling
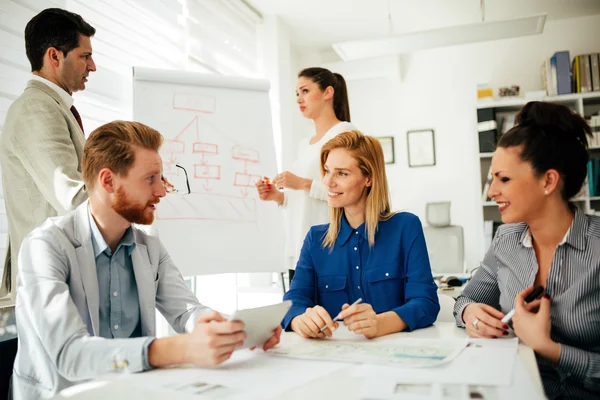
x: 316, y: 24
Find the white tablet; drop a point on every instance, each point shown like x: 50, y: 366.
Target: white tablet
x: 261, y: 322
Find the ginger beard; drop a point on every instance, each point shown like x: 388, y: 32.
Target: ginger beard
x: 133, y: 211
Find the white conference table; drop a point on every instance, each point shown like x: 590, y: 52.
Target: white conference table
x: 342, y: 383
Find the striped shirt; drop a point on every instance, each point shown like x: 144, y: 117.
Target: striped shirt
x: 573, y: 284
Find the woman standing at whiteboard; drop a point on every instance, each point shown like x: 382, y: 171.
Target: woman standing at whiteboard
x: 322, y: 97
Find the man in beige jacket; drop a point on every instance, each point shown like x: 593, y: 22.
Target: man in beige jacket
x: 42, y: 141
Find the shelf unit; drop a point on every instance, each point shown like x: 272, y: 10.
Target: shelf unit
x: 582, y: 103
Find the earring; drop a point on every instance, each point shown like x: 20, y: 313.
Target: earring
x: 546, y: 192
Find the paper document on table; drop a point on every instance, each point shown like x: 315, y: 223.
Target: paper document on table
x: 405, y: 352
x: 247, y: 375
x: 471, y: 367
x: 523, y: 385
x: 373, y: 389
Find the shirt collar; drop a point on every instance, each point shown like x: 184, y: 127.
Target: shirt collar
x: 64, y: 96
x: 99, y: 243
x: 346, y: 231
x: 575, y: 235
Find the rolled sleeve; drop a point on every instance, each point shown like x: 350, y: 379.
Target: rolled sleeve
x: 145, y: 362
x: 420, y: 312
x: 422, y: 304
x: 411, y: 316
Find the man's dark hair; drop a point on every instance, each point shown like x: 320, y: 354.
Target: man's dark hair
x: 53, y: 27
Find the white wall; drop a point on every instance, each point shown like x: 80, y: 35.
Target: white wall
x: 437, y: 90
x: 275, y: 65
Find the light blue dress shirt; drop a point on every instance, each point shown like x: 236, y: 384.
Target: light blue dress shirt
x: 119, y: 311
x: 117, y: 289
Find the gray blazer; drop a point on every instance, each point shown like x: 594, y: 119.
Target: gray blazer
x: 40, y: 157
x: 57, y: 306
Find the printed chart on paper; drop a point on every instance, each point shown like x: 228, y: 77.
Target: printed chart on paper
x: 410, y: 352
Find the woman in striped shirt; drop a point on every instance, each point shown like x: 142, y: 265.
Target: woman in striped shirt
x: 540, y: 165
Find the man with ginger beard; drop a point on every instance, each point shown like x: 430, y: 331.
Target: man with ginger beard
x: 89, y: 281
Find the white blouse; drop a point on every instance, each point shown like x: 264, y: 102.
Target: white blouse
x: 305, y: 209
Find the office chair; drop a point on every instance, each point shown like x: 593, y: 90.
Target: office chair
x: 8, y: 351
x: 446, y: 313
x: 445, y: 242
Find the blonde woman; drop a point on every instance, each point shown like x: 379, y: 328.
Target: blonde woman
x: 365, y: 252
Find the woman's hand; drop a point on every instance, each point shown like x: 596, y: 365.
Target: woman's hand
x: 309, y: 324
x: 361, y: 319
x: 290, y: 181
x: 533, y: 326
x: 483, y: 321
x: 267, y: 191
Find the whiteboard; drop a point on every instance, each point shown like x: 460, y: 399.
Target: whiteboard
x: 219, y: 129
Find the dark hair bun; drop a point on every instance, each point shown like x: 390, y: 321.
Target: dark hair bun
x: 555, y: 119
x: 552, y: 136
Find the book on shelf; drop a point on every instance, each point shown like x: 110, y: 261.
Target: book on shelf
x: 556, y: 74
x: 595, y: 71
x: 593, y: 177
x: 585, y: 73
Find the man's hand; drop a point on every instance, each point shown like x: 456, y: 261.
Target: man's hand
x: 214, y: 339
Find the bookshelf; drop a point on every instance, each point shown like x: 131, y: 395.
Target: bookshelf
x: 585, y: 104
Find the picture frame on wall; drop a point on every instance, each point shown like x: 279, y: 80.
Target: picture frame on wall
x: 421, y: 148
x: 387, y: 143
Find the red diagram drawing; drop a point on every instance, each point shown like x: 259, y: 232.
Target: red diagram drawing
x: 205, y: 202
x: 245, y: 179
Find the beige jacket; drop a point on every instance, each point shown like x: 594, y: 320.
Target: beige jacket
x: 40, y: 157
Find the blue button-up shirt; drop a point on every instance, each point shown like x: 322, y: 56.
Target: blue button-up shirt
x: 117, y: 289
x: 393, y: 275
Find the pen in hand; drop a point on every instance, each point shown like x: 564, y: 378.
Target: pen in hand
x: 532, y: 296
x: 337, y: 317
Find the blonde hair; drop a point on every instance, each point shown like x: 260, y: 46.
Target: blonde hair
x: 368, y: 153
x: 113, y: 145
